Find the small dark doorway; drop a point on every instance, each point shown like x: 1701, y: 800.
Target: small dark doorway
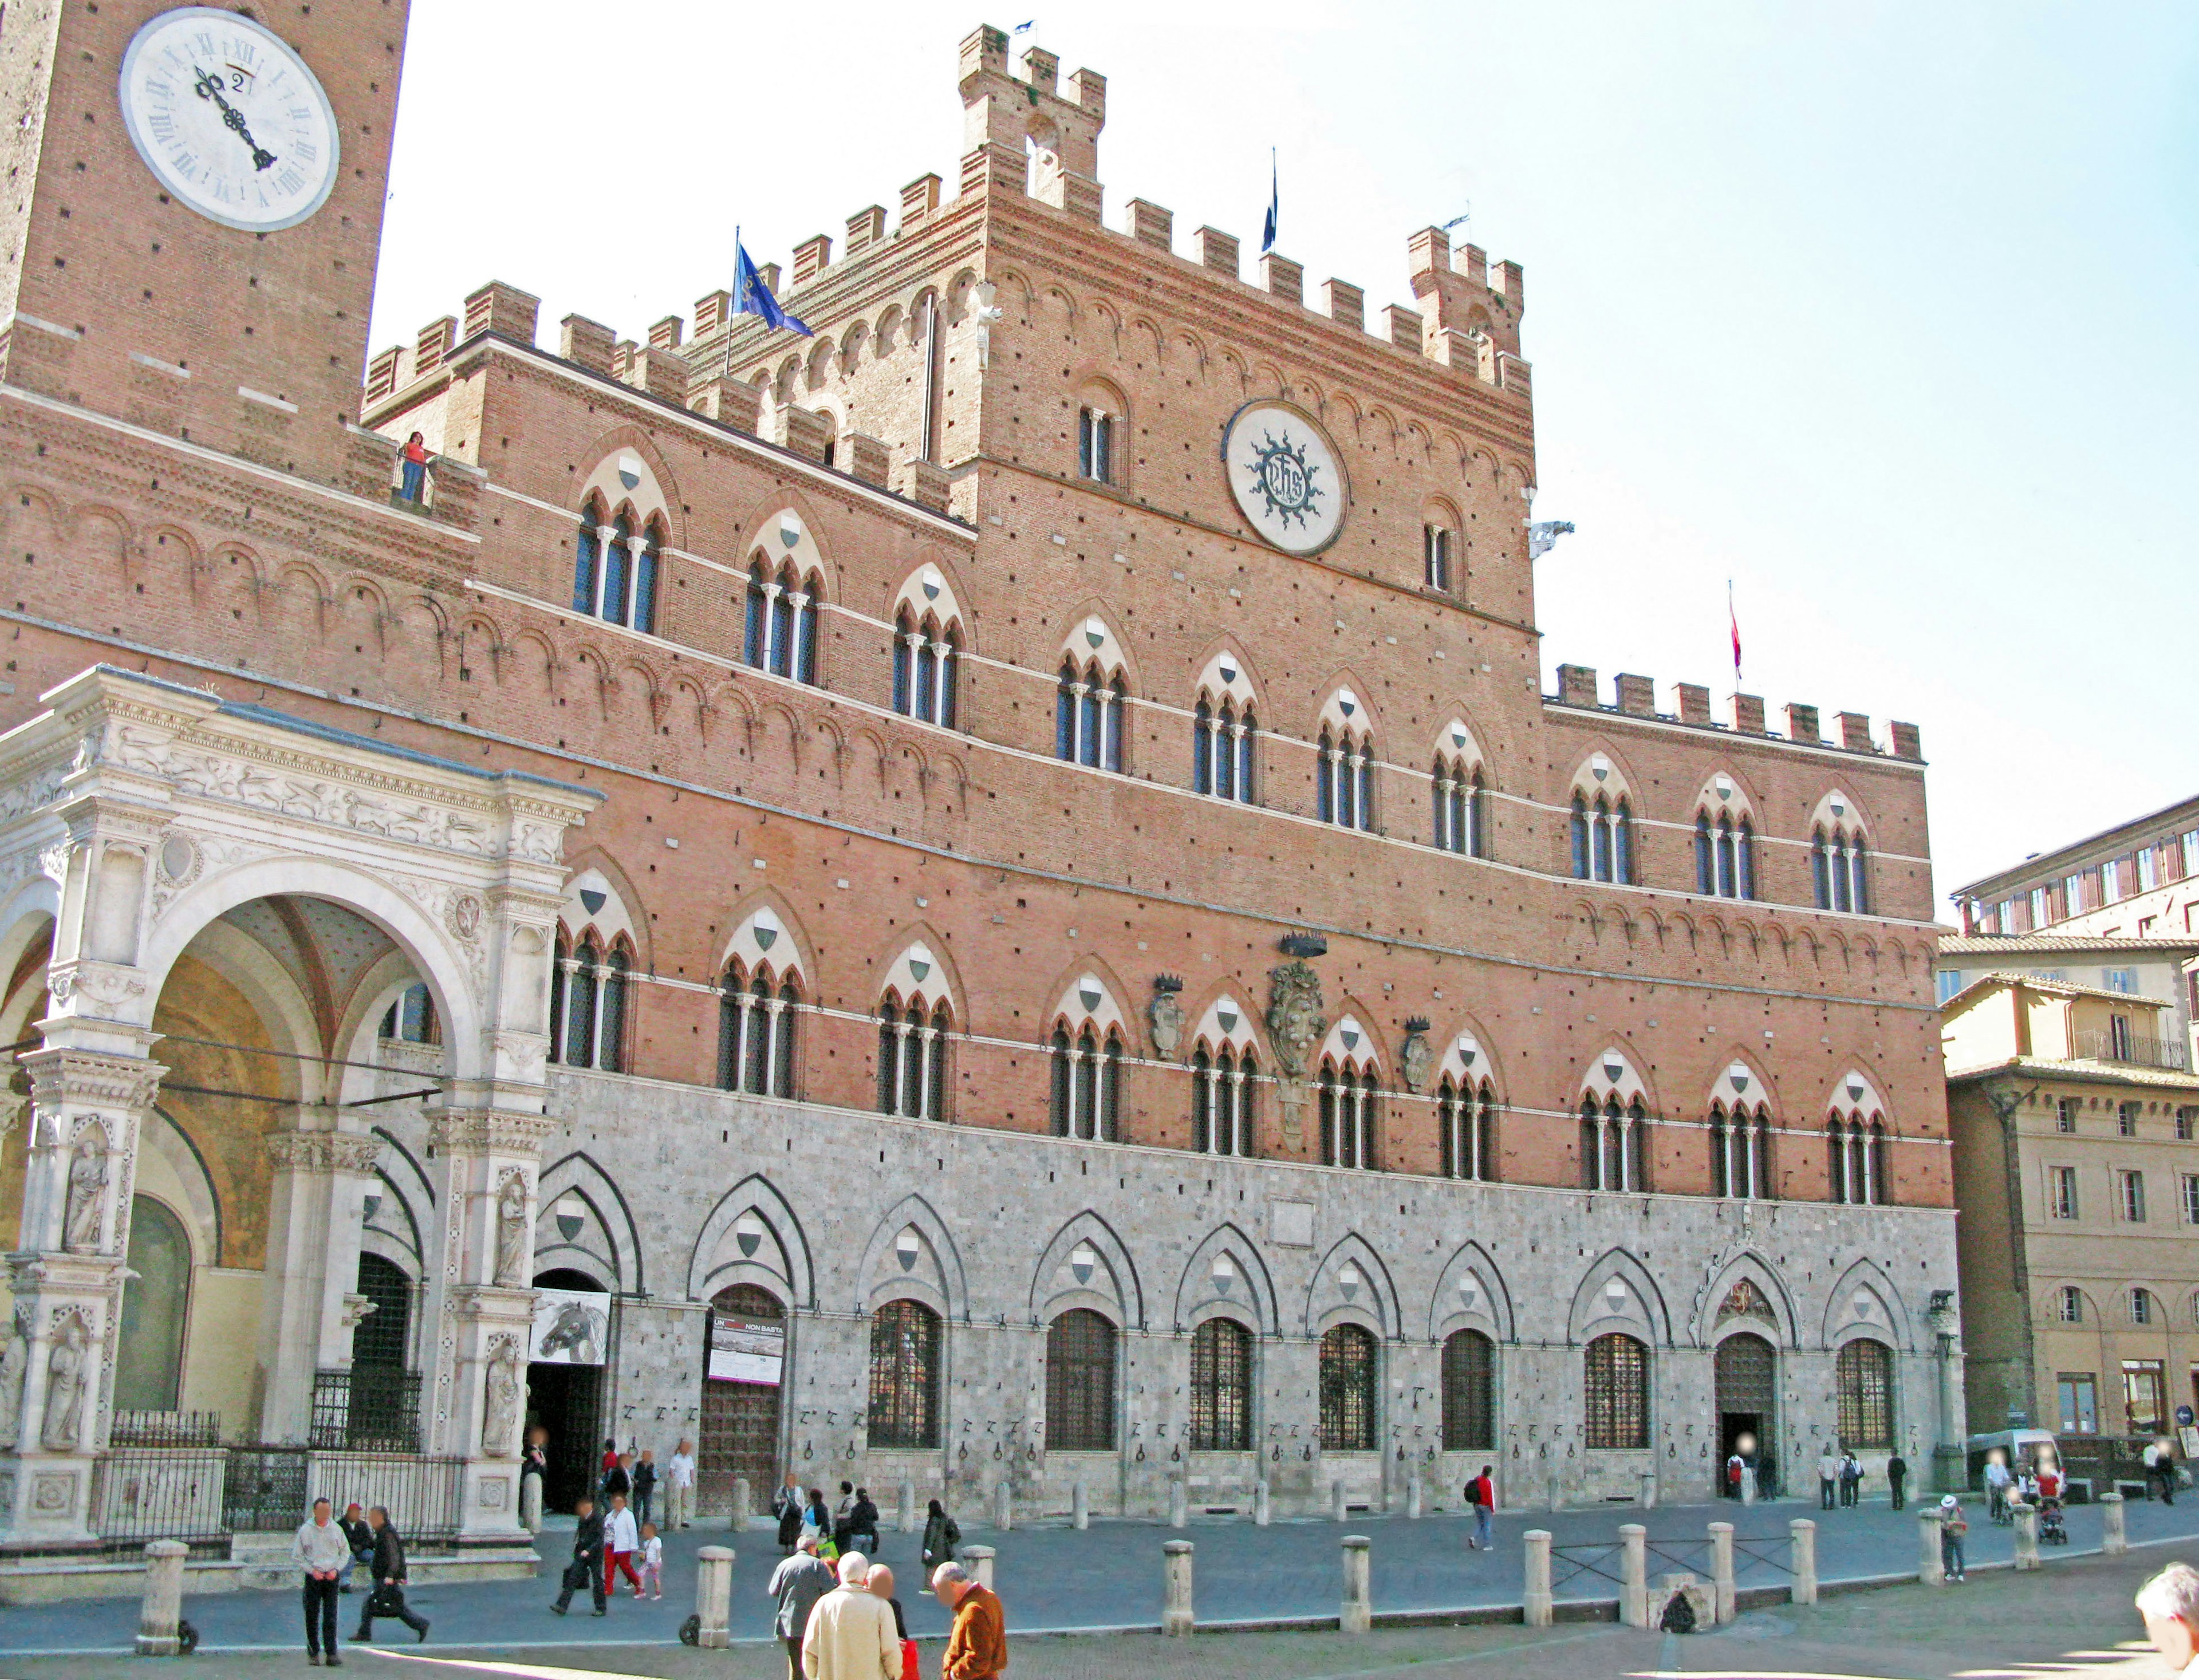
x: 1746, y: 1376
x: 743, y: 1367
x: 568, y: 1401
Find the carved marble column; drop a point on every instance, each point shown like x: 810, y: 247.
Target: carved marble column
x: 56, y: 1367
x: 313, y: 1225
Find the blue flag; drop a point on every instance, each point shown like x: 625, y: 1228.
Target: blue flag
x: 1275, y: 203
x: 752, y: 297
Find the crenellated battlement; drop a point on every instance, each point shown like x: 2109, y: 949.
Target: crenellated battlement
x: 1635, y: 697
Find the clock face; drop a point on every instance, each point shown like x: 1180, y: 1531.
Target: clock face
x: 1284, y: 477
x: 229, y: 119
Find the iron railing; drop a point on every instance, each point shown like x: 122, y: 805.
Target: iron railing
x: 165, y: 1429
x: 367, y: 1409
x: 203, y: 1496
x: 2135, y: 1049
x: 160, y: 1493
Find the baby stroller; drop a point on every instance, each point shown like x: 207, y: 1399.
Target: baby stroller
x: 2052, y: 1530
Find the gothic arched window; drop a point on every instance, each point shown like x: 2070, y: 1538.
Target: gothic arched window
x: 1221, y: 1387
x: 1088, y: 1077
x: 1614, y: 1144
x: 1350, y: 1391
x: 756, y: 1025
x: 1615, y: 1373
x: 905, y: 1349
x: 1465, y: 1115
x: 1087, y: 716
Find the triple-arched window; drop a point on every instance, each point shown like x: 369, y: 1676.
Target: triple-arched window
x: 1726, y: 857
x: 1740, y: 1152
x: 1087, y: 716
x: 927, y: 669
x: 1460, y: 802
x: 1615, y: 1384
x: 1858, y: 1159
x: 913, y: 1059
x: 1221, y: 748
x: 1088, y: 1083
x: 1347, y: 1115
x: 1614, y: 1144
x: 1603, y: 839
x: 615, y: 567
x: 1221, y: 1087
x: 1345, y: 794
x: 779, y: 634
x: 1465, y: 1115
x: 1838, y: 869
x: 1349, y: 1390
x: 756, y: 1021
x: 588, y: 1004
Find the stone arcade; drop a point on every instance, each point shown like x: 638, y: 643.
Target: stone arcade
x: 990, y: 899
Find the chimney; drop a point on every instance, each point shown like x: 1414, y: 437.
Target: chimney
x: 919, y: 202
x: 1855, y: 732
x: 713, y: 311
x: 1748, y: 713
x: 812, y: 257
x: 1345, y: 303
x: 433, y: 344
x: 1215, y: 250
x: 1150, y: 224
x: 1576, y: 684
x: 586, y: 343
x: 1695, y: 702
x: 1802, y: 724
x: 1637, y: 695
x: 504, y: 310
x: 866, y: 227
x: 666, y: 334
x: 1281, y: 278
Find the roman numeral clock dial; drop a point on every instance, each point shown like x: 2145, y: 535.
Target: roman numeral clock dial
x: 229, y: 119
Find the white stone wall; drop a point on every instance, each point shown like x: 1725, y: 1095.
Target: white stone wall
x: 838, y: 1211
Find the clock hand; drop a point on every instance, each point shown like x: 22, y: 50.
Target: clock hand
x: 209, y: 87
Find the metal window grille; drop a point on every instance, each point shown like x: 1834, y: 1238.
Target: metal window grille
x: 1617, y: 1394
x: 1469, y: 1413
x: 1347, y: 1390
x: 367, y: 1409
x: 905, y: 1339
x: 1080, y: 1383
x: 1864, y: 1375
x: 165, y: 1429
x: 1221, y: 1387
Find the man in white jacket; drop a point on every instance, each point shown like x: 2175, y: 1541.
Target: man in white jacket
x: 851, y: 1631
x: 621, y: 1540
x: 321, y: 1550
x: 679, y: 1486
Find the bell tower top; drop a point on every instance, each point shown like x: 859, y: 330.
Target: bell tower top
x: 191, y: 239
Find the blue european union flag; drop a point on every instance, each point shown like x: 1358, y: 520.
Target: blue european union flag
x: 752, y: 297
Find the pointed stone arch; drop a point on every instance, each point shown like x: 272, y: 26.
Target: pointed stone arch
x: 919, y: 945
x: 1641, y: 1312
x: 767, y: 530
x: 1486, y: 1306
x: 882, y: 1276
x: 1333, y: 1298
x: 1249, y: 1292
x: 1712, y: 1322
x: 1069, y: 1000
x: 753, y: 1235
x: 579, y: 1174
x: 768, y: 937
x: 1863, y: 1302
x: 1127, y: 1298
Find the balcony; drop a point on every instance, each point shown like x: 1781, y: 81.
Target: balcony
x: 2132, y: 1049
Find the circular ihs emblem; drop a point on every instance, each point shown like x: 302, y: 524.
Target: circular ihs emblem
x: 1284, y: 477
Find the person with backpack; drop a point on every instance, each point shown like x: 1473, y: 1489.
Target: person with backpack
x: 1481, y: 1495
x: 941, y: 1537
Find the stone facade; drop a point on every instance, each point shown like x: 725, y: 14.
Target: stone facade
x: 1449, y: 901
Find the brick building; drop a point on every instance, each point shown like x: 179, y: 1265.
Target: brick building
x: 672, y: 930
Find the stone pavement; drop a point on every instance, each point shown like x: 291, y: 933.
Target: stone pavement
x: 1108, y: 1578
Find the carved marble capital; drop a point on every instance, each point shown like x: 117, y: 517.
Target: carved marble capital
x: 91, y: 1079
x: 490, y: 1131
x: 323, y: 1152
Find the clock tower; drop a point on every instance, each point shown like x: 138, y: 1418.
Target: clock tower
x: 193, y: 212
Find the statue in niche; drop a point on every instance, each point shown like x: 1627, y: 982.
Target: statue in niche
x: 500, y: 1408
x: 87, y: 1184
x: 14, y: 1365
x: 65, y: 1384
x: 511, y: 1234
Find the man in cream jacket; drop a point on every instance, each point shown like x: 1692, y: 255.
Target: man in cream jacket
x: 851, y: 1631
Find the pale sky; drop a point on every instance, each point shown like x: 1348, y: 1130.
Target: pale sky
x: 1882, y: 311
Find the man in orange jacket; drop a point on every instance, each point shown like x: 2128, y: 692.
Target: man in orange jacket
x: 977, y: 1648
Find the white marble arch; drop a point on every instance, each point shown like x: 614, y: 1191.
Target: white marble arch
x: 617, y: 1246
x: 780, y: 1259
x: 1864, y: 1303
x: 408, y: 1203
x: 1372, y: 1303
x: 1641, y: 1313
x: 935, y: 1275
x: 1703, y: 1330
x: 1250, y: 1292
x: 1490, y: 1311
x: 1113, y: 1291
x: 171, y: 1171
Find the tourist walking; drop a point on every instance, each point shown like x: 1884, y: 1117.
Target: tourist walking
x: 321, y: 1552
x: 1997, y: 1480
x: 817, y: 1520
x: 1851, y: 1481
x: 787, y: 1505
x: 1897, y: 1473
x: 587, y: 1568
x: 618, y: 1479
x: 652, y: 1561
x: 2160, y: 1466
x: 387, y: 1596
x: 644, y: 1486
x: 680, y: 1485
x: 1735, y: 1464
x: 797, y: 1584
x: 942, y: 1535
x: 1828, y: 1477
x: 842, y: 1514
x: 881, y: 1585
x: 977, y: 1647
x: 360, y: 1537
x: 1481, y: 1495
x: 621, y: 1540
x: 1952, y: 1528
x: 851, y: 1631
x: 863, y: 1521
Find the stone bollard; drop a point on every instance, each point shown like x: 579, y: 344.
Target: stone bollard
x: 1262, y: 1504
x: 164, y: 1599
x: 1336, y: 1499
x: 1930, y: 1570
x: 2113, y: 1537
x: 1634, y: 1575
x: 714, y: 1596
x: 1179, y: 1502
x: 1556, y: 1502
x: 1538, y: 1608
x: 1648, y: 1489
x: 1358, y: 1613
x: 904, y: 1512
x: 530, y: 1503
x: 1413, y: 1497
x: 1721, y: 1571
x: 2026, y: 1534
x: 1176, y: 1620
x: 738, y: 1518
x: 1803, y: 1591
x: 1004, y: 1505
x: 1080, y: 1507
x: 980, y: 1560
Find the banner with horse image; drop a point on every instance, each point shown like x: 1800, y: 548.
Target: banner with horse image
x: 572, y: 1327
